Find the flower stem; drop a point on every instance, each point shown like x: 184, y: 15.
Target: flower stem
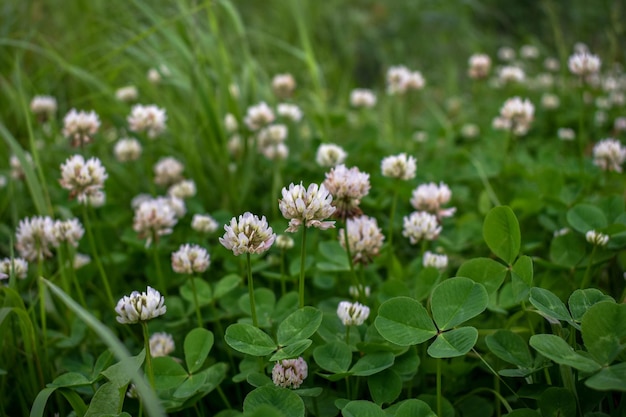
x: 146, y: 340
x: 283, y: 287
x: 394, y: 203
x: 42, y: 309
x: 159, y: 271
x: 587, y: 277
x: 96, y: 256
x: 439, y: 398
x: 355, y: 278
x: 255, y: 322
x: 302, y: 264
x: 195, y: 301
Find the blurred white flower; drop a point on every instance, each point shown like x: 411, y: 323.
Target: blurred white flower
x: 204, y: 223
x: 230, y: 123
x: 399, y: 166
x: 348, y: 187
x: 421, y: 225
x: 529, y: 52
x: 18, y: 266
x: 161, y: 344
x: 140, y: 307
x: 258, y: 116
x: 511, y: 74
x: 470, y: 131
x: 43, y: 106
x: 183, y: 189
x: 506, y: 53
x: 566, y: 134
x: 150, y: 119
x: 190, y: 259
x: 127, y: 149
x: 154, y: 218
x: 167, y: 171
x: 329, y: 155
x: 70, y: 231
x: 289, y: 373
x: 362, y: 97
x: 609, y: 155
x: 80, y: 260
x: 431, y: 197
x: 35, y: 237
x: 17, y: 171
x: 584, y: 64
x: 248, y: 234
x: 127, y: 94
x: 284, y: 242
x: 550, y: 101
x: 439, y: 261
x: 352, y: 314
x: 80, y: 127
x: 84, y: 179
x: 289, y: 112
x: 596, y: 238
x: 479, y: 66
x: 519, y: 113
x: 551, y: 64
x: 283, y: 85
x: 364, y: 237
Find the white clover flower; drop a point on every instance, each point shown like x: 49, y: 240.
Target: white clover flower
x: 566, y: 134
x: 329, y: 155
x: 154, y: 76
x: 167, y: 171
x: 190, y: 259
x: 596, y: 238
x: 284, y: 242
x: 289, y: 373
x: 529, y: 52
x: 283, y: 85
x: 520, y: 113
x: 364, y: 237
x: 352, y: 314
x: 511, y: 74
x: 397, y: 79
x: 289, y: 112
x: 420, y: 136
x: 470, y: 131
x: 80, y: 127
x: 17, y: 171
x: 161, y: 344
x: 421, y: 225
x: 80, y: 260
x: 35, y: 237
x: 248, y: 234
x: 415, y: 81
x: 234, y: 145
x: 140, y: 307
x: 183, y: 189
x: 230, y: 123
x: 150, y: 119
x: 584, y: 64
x: 96, y: 199
x: 399, y: 166
x: 127, y: 149
x: 551, y: 64
x: 348, y: 187
x: 431, y: 197
x: 83, y: 178
x: 70, y: 231
x: 127, y: 94
x: 609, y: 155
x: 258, y: 116
x: 439, y: 261
x: 362, y: 97
x: 18, y: 266
x: 44, y: 106
x: 561, y: 232
x: 357, y: 291
x: 306, y: 206
x: 506, y: 53
x: 271, y: 137
x: 204, y: 223
x: 154, y: 218
x: 275, y: 152
x: 550, y: 101
x: 479, y: 66
x: 233, y: 90
x: 620, y: 124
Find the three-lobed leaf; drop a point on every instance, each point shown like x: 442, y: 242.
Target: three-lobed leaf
x: 510, y: 347
x: 453, y: 343
x: 246, y: 338
x: 502, y: 233
x: 404, y: 321
x: 457, y: 300
x: 301, y: 324
x: 604, y: 331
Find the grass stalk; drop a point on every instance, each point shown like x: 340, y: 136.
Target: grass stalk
x: 96, y: 256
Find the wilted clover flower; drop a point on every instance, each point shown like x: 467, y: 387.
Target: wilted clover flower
x: 479, y: 66
x: 258, y: 116
x: 161, y: 344
x: 284, y: 242
x: 190, y: 259
x: 18, y: 266
x: 365, y: 238
x: 150, y: 119
x: 306, y: 206
x: 421, y: 225
x: 283, y: 85
x: 348, y: 187
x: 609, y: 155
x: 127, y: 94
x: 431, y: 197
x: 352, y: 314
x: 329, y: 155
x: 290, y: 373
x: 70, y: 231
x: 362, y: 97
x: 35, y: 237
x: 519, y: 113
x: 584, y: 64
x: 82, y: 178
x: 127, y: 149
x: 154, y: 218
x: 596, y: 238
x: 79, y: 127
x: 289, y: 111
x: 167, y: 171
x: 43, y: 106
x: 204, y: 223
x: 399, y: 166
x: 140, y: 306
x: 248, y: 234
x: 439, y: 261
x: 183, y: 189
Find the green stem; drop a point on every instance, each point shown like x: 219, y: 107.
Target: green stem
x: 157, y: 264
x: 146, y: 340
x: 439, y: 398
x: 195, y: 302
x: 496, y: 387
x: 355, y: 279
x: 224, y: 397
x: 283, y: 286
x: 251, y: 293
x: 587, y: 277
x: 394, y: 203
x: 348, y: 335
x: 96, y: 256
x: 42, y: 309
x: 302, y: 265
x: 73, y: 278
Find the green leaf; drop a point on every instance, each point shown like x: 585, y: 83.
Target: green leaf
x: 567, y: 250
x: 502, y: 233
x: 385, y: 386
x: 362, y: 408
x: 226, y: 285
x: 69, y: 379
x: 414, y: 408
x: 426, y: 281
x: 190, y: 386
x: 549, y: 305
x: 485, y: 271
x: 292, y: 350
x: 75, y: 400
x: 557, y: 402
x: 39, y: 405
x: 522, y: 277
x: 456, y: 342
x: 203, y: 292
x: 612, y: 378
x: 585, y: 217
x: 404, y: 321
x: 510, y: 347
x: 121, y: 373
x: 581, y: 300
x: 198, y: 344
x: 106, y: 400
x: 168, y: 373
x: 248, y: 339
x: 557, y: 349
x: 284, y: 400
x: 457, y: 300
x: 523, y: 412
x: 300, y: 324
x: 372, y: 363
x: 604, y: 331
x: 334, y: 357
x: 265, y: 301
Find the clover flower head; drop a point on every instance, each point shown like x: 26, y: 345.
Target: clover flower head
x: 352, y: 314
x: 289, y: 112
x: 83, y: 178
x: 258, y: 116
x: 270, y: 141
x: 161, y: 344
x: 139, y: 307
x: 551, y: 64
x: 566, y: 134
x: 167, y: 171
x: 609, y: 155
x: 439, y: 261
x: 479, y: 66
x: 17, y: 171
x: 70, y: 231
x: 154, y: 218
x: 284, y: 242
x: 348, y: 187
x: 80, y: 126
x: 399, y: 166
x: 290, y: 373
x: 362, y: 97
x: 182, y: 189
x: 230, y: 123
x: 364, y: 237
x: 204, y: 223
x: 511, y: 74
x: 506, y: 53
x: 431, y: 197
x: 550, y: 101
x: 421, y: 225
x: 329, y: 155
x: 248, y: 234
x: 360, y: 290
x: 584, y: 64
x: 529, y: 52
x: 127, y: 93
x: 44, y: 106
x: 150, y: 119
x: 35, y: 237
x: 283, y: 85
x: 306, y: 206
x: 597, y: 238
x: 18, y: 266
x: 80, y: 260
x: 127, y: 149
x: 190, y: 259
x: 470, y: 131
x: 519, y: 113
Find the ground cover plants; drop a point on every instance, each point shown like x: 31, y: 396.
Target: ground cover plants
x: 229, y: 208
